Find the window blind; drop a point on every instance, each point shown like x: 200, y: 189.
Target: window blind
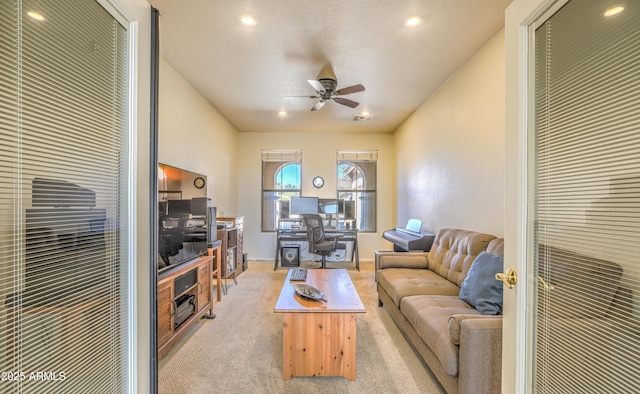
x: 357, y: 155
x: 586, y: 227
x: 64, y: 173
x: 281, y: 155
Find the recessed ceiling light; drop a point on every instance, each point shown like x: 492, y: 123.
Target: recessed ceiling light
x: 613, y: 11
x: 282, y: 112
x: 413, y: 21
x: 35, y: 15
x: 248, y: 20
x: 364, y: 113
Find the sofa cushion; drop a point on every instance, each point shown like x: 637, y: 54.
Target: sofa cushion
x: 401, y: 260
x: 429, y: 315
x: 496, y: 247
x: 481, y: 289
x: 403, y: 282
x: 454, y: 250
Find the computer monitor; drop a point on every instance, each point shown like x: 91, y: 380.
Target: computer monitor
x: 199, y: 206
x: 349, y: 210
x: 179, y: 207
x: 283, y: 211
x: 329, y: 206
x: 304, y: 205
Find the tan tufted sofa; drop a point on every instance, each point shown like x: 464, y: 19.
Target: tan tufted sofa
x: 420, y: 291
x: 463, y: 348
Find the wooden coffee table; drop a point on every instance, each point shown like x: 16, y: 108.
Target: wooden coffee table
x: 319, y: 338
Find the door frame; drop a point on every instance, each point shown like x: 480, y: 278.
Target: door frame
x: 517, y: 352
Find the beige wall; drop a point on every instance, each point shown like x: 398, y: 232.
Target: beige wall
x: 195, y: 137
x: 451, y: 150
x: 318, y: 158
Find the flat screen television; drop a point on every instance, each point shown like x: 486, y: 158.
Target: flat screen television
x: 184, y: 217
x: 180, y: 240
x: 303, y: 205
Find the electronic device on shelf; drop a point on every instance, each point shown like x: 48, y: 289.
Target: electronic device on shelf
x: 185, y: 306
x: 298, y: 273
x: 224, y: 224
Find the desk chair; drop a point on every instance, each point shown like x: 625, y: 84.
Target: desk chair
x: 319, y: 243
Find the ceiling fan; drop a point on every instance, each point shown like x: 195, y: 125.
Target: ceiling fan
x: 325, y: 87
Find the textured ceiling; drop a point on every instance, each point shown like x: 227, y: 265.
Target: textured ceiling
x: 246, y: 73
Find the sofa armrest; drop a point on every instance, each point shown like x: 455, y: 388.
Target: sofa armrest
x: 388, y: 259
x: 480, y: 354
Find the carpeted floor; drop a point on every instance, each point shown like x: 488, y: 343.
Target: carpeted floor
x: 241, y: 350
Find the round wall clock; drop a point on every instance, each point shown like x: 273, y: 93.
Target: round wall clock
x: 318, y: 182
x: 199, y: 182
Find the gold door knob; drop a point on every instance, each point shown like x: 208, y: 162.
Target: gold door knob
x: 509, y: 279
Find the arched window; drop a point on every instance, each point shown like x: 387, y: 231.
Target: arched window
x: 356, y: 183
x: 281, y: 180
x: 287, y: 177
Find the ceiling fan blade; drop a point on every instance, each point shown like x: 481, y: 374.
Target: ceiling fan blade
x: 318, y: 105
x: 316, y: 85
x: 351, y: 89
x: 292, y: 97
x: 347, y: 102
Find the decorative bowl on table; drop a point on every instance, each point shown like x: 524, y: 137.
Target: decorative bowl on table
x: 309, y: 292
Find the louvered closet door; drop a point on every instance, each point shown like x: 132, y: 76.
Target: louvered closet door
x: 64, y: 219
x: 585, y: 232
